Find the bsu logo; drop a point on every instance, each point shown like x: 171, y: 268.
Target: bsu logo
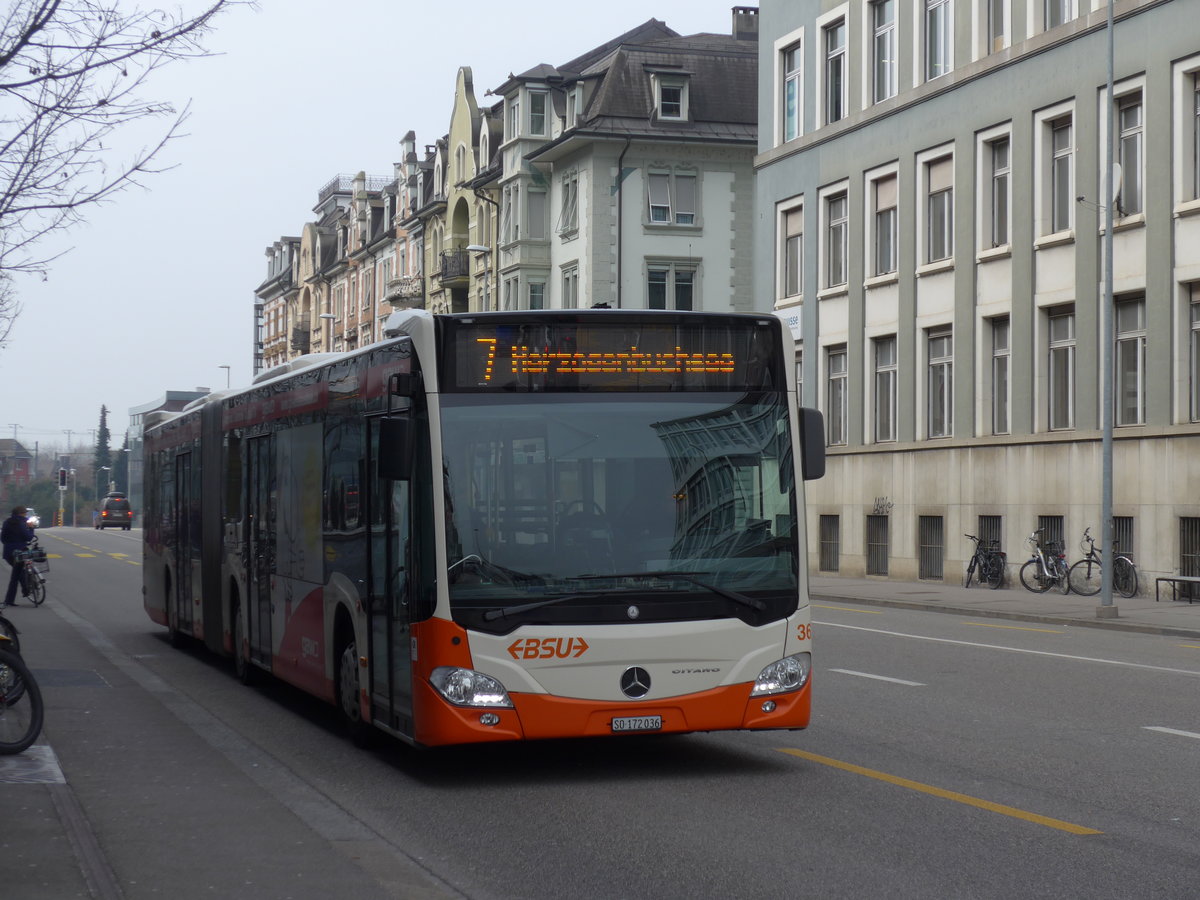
x: 548, y: 648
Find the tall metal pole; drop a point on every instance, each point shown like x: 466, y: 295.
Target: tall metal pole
x: 1107, y: 610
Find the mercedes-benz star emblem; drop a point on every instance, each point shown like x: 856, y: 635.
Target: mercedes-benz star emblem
x: 633, y: 612
x: 635, y: 682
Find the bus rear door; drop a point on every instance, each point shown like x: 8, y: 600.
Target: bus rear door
x: 184, y: 539
x: 260, y: 483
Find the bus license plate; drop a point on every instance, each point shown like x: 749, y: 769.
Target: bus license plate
x: 637, y: 723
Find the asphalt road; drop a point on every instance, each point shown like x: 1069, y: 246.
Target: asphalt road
x: 948, y: 757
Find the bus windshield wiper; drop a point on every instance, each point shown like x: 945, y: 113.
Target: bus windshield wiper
x: 501, y: 611
x: 741, y: 599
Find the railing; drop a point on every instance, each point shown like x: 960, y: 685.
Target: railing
x: 345, y: 183
x: 455, y: 264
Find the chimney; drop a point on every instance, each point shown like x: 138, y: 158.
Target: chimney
x: 745, y: 23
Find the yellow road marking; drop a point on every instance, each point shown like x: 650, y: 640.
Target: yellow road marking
x: 86, y: 555
x: 873, y: 612
x: 1016, y: 628
x: 944, y: 794
x: 1191, y: 646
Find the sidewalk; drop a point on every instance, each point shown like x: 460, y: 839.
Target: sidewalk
x: 1011, y: 601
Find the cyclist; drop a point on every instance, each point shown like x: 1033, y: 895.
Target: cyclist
x: 15, y: 534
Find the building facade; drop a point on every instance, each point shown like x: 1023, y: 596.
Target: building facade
x: 625, y: 176
x: 930, y: 200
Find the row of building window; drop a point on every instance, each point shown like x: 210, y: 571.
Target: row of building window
x: 1060, y: 366
x: 1054, y: 185
x: 669, y: 285
x: 933, y: 46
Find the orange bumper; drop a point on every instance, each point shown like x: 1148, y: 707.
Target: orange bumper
x: 539, y: 716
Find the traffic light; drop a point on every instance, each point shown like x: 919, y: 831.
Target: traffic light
x: 62, y: 478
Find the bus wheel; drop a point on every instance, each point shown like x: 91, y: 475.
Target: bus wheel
x: 348, y: 691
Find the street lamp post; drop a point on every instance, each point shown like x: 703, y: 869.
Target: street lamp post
x: 330, y: 318
x: 226, y: 368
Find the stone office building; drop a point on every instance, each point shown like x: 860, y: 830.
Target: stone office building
x: 929, y: 199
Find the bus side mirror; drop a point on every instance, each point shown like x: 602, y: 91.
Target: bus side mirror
x: 395, y: 447
x: 812, y: 444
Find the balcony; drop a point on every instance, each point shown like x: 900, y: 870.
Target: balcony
x: 301, y: 339
x: 407, y: 290
x: 455, y: 268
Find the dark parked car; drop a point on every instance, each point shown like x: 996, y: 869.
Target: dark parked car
x: 115, y: 513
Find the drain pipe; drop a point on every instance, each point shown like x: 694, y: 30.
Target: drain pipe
x: 620, y: 211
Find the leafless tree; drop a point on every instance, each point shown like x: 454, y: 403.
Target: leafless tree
x: 72, y: 75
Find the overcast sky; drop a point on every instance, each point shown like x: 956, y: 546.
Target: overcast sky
x: 157, y: 291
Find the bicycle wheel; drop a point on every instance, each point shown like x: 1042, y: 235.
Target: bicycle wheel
x: 1125, y: 578
x: 1062, y: 574
x: 970, y: 572
x: 995, y: 572
x: 37, y: 589
x: 1085, y: 577
x: 20, y: 704
x: 1032, y: 578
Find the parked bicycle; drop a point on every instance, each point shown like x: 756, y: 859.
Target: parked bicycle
x: 21, y: 709
x: 9, y: 630
x: 34, y: 567
x: 1047, y: 567
x: 989, y: 561
x: 1086, y: 574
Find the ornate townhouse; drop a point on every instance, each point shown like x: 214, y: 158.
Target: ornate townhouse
x: 454, y: 214
x: 331, y: 288
x: 625, y: 176
x: 931, y: 213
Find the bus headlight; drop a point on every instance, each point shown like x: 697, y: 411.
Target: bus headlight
x: 782, y: 677
x: 466, y: 687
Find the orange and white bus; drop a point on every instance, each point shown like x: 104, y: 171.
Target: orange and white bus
x: 503, y: 526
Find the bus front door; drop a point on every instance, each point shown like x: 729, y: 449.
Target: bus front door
x: 184, y: 540
x: 388, y: 597
x: 260, y: 546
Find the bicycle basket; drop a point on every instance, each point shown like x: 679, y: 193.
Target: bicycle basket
x: 36, y: 556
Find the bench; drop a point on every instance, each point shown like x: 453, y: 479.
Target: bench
x: 1175, y: 581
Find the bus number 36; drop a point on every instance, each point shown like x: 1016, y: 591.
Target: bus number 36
x: 804, y: 631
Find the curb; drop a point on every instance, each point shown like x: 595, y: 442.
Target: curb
x: 1112, y: 624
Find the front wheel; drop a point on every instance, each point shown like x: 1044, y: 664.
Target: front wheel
x: 1062, y: 579
x: 1125, y: 578
x: 1085, y: 577
x: 37, y: 589
x: 970, y: 572
x: 20, y: 704
x: 1033, y: 579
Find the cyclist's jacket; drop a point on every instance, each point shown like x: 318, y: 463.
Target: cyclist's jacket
x: 15, y: 535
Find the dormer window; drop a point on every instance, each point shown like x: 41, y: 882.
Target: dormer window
x: 574, y: 105
x: 671, y: 97
x: 514, y: 118
x: 537, y: 112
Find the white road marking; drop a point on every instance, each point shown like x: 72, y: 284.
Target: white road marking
x: 1190, y: 734
x: 937, y: 640
x: 879, y: 677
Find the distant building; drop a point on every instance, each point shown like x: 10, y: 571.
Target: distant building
x: 16, y: 471
x: 930, y: 220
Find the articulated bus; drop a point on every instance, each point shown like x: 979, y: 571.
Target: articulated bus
x: 503, y: 526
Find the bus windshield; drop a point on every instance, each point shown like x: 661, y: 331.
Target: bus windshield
x: 603, y: 508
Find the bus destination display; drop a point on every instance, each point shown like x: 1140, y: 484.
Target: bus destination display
x: 610, y: 356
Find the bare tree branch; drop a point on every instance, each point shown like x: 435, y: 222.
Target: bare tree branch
x: 73, y: 77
